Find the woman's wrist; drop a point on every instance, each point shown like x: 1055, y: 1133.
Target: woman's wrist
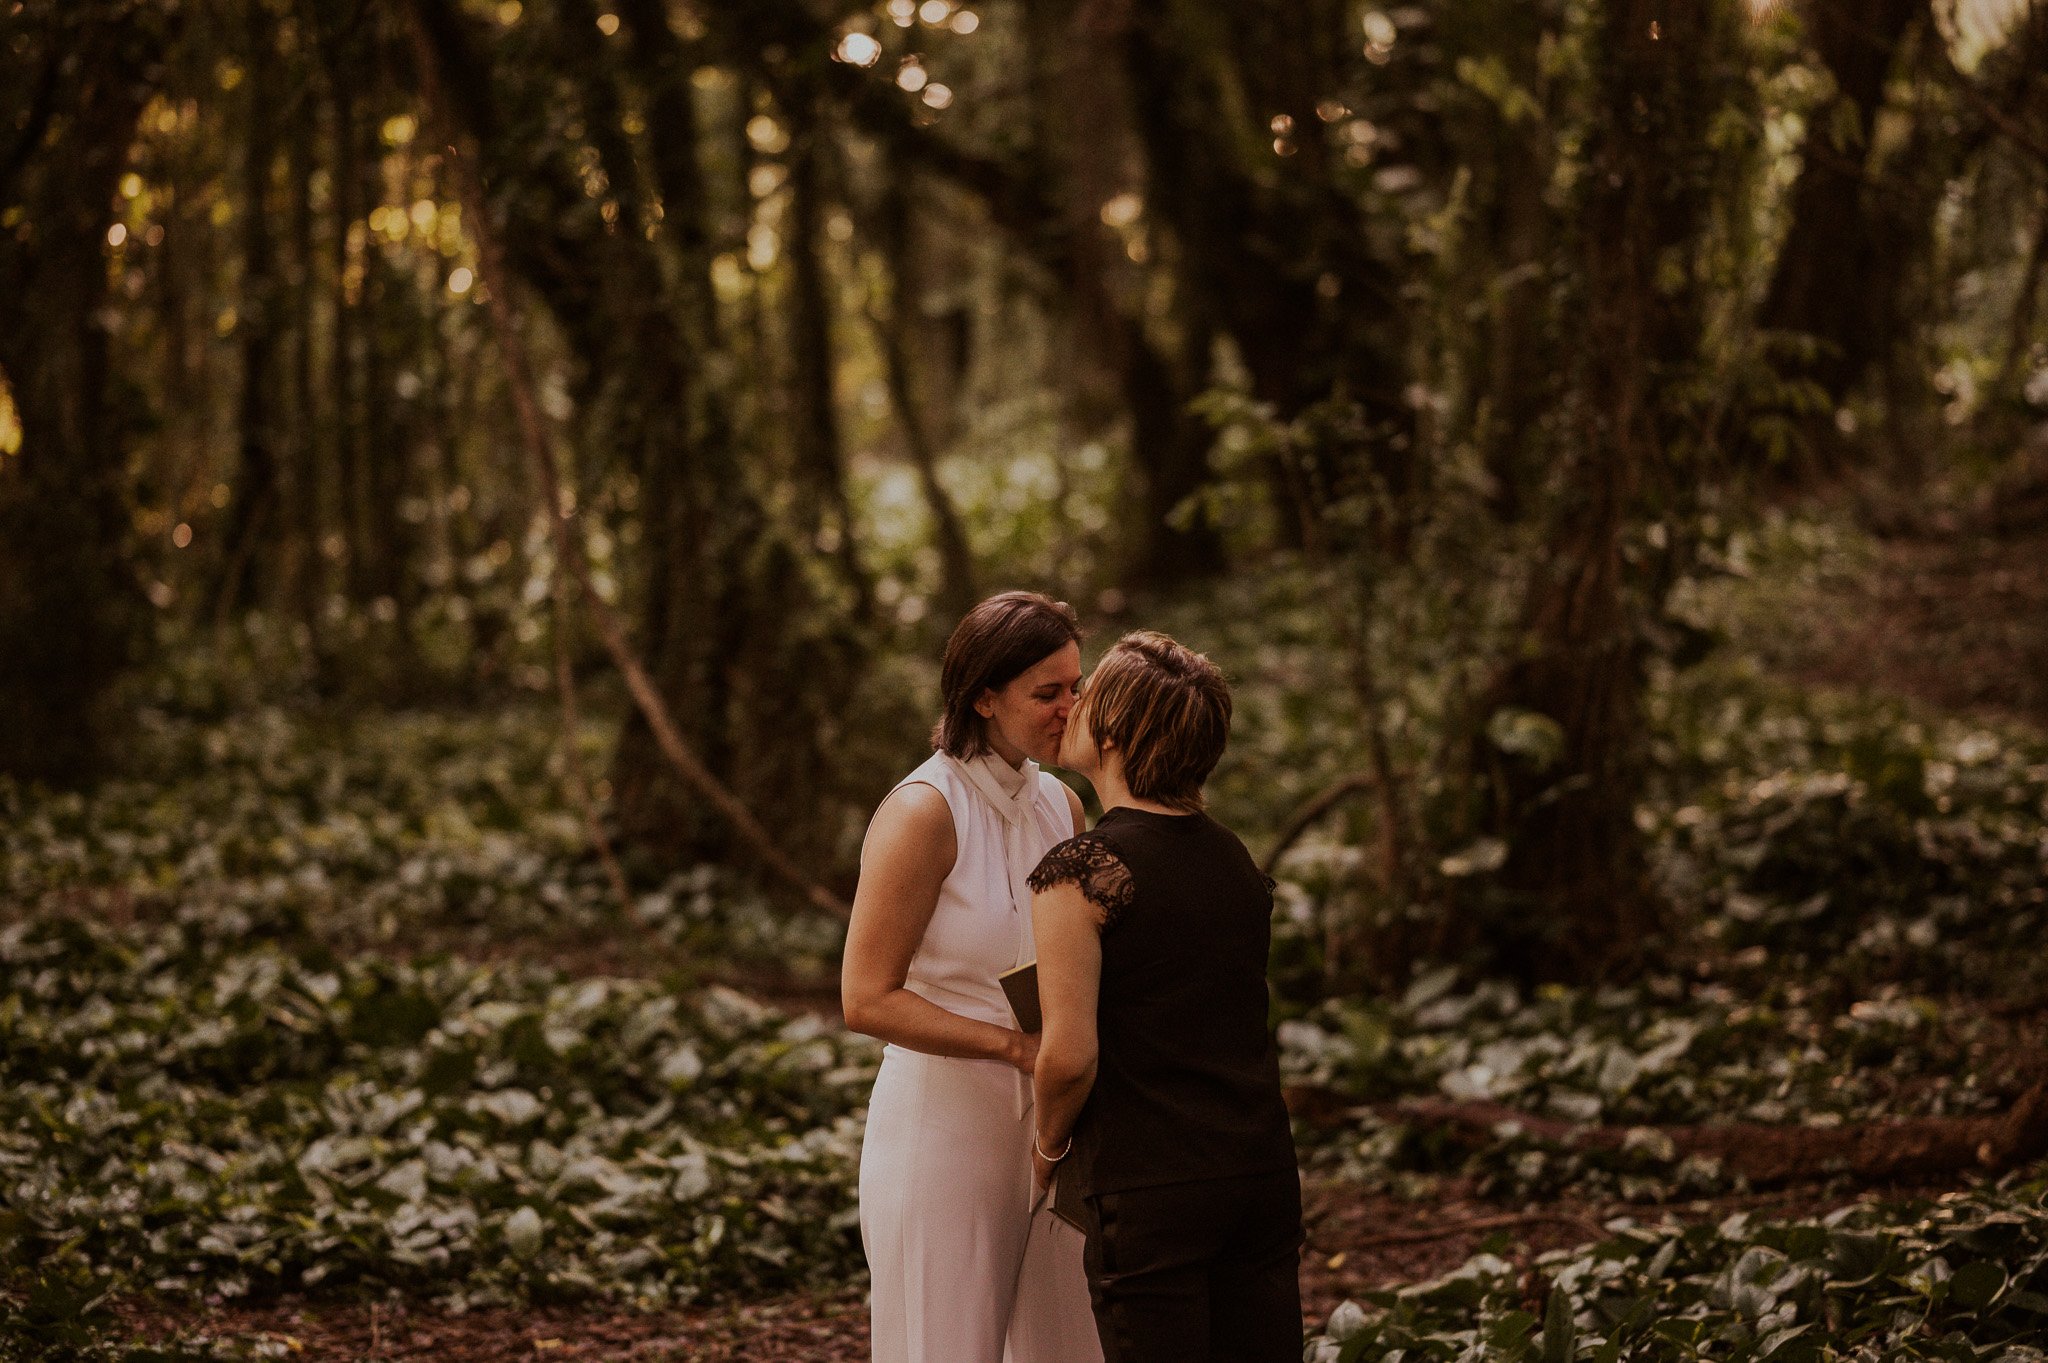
x: 1038, y: 1148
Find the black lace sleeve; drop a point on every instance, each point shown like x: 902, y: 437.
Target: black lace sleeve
x: 1087, y: 862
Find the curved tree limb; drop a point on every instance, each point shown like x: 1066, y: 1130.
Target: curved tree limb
x: 1312, y: 809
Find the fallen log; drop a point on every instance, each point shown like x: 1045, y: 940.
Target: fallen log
x: 1763, y: 1154
x: 1478, y: 1225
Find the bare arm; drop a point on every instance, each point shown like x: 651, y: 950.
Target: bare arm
x: 908, y: 855
x: 1068, y: 930
x: 1080, y: 814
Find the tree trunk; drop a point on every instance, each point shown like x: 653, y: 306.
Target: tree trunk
x: 1514, y: 348
x: 251, y: 530
x: 344, y: 361
x: 739, y: 646
x: 392, y: 428
x: 814, y: 422
x: 2019, y: 326
x: 67, y: 608
x: 306, y: 589
x: 1572, y: 898
x: 1270, y: 253
x: 699, y: 520
x: 890, y: 228
x: 1833, y: 272
x: 1081, y: 99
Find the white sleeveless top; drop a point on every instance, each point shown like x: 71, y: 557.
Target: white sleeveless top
x: 1004, y: 820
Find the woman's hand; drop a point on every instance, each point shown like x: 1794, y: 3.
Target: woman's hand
x: 1023, y: 1051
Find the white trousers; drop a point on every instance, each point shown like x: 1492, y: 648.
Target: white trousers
x: 966, y: 1266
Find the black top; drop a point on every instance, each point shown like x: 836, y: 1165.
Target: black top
x: 1187, y: 1084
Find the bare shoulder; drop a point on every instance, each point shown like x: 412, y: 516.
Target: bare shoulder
x: 1074, y: 803
x: 913, y: 826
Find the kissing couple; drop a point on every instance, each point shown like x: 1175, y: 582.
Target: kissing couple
x: 1118, y: 1183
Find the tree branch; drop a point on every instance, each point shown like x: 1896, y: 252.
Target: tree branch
x: 1310, y: 810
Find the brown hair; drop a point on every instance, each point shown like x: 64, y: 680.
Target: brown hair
x: 1167, y: 710
x: 993, y: 645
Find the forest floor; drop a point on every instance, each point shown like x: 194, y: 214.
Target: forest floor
x: 1357, y: 1242
x: 1949, y: 611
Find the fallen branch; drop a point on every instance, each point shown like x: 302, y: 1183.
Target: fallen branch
x: 497, y: 284
x: 1476, y: 1225
x: 1874, y: 1152
x: 572, y: 753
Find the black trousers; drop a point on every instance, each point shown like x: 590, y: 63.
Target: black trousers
x: 1203, y: 1272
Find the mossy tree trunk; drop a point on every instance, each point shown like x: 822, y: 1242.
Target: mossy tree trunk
x: 67, y: 588
x: 1572, y: 899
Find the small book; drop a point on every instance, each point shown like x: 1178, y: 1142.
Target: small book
x: 1020, y: 986
x: 1067, y: 1203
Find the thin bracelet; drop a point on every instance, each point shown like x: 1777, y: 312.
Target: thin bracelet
x: 1051, y: 1159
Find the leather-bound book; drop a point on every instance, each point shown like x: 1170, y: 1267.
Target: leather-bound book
x: 1021, y: 987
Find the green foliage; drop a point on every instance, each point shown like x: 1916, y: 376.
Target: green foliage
x: 1961, y: 1278
x: 221, y: 1075
x: 1838, y: 833
x: 374, y: 830
x: 232, y: 1061
x: 187, y: 1110
x: 1657, y: 1054
x: 1807, y: 828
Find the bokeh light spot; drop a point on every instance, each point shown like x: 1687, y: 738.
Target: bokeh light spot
x: 858, y: 48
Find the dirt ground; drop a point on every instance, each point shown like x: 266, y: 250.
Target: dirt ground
x: 1356, y: 1242
x: 1953, y: 613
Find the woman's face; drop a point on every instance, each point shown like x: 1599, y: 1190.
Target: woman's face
x: 1078, y: 752
x: 1027, y: 717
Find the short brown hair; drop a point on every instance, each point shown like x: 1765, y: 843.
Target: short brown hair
x: 1167, y: 710
x: 994, y: 644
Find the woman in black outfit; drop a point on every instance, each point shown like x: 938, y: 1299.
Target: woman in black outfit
x: 1158, y: 1083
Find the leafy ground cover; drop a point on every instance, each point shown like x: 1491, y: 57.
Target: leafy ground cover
x: 192, y: 1113
x: 1962, y: 1277
x: 324, y: 1037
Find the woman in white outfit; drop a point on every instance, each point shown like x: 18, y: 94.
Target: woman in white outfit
x: 967, y: 1264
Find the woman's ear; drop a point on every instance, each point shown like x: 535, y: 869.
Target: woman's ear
x: 985, y: 703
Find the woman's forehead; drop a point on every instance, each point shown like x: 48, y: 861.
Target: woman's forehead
x: 1063, y: 666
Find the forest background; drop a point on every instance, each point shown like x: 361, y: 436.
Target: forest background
x: 484, y: 485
